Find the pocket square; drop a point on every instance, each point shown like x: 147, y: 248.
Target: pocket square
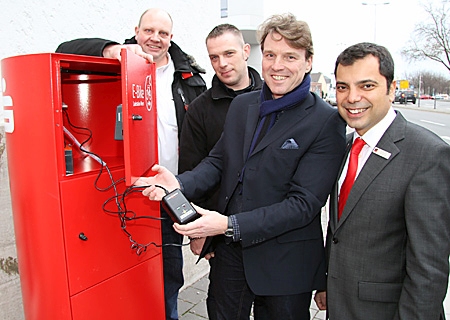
x: 290, y: 144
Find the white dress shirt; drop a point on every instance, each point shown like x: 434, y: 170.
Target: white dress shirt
x: 371, y: 138
x: 167, y: 119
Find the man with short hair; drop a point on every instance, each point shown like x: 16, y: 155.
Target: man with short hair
x: 388, y: 240
x: 205, y: 117
x: 178, y: 82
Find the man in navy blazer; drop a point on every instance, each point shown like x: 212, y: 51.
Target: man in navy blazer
x: 276, y: 163
x: 388, y: 252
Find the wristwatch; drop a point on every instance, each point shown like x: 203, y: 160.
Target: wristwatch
x: 230, y: 231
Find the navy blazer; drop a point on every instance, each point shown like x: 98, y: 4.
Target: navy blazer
x: 284, y: 189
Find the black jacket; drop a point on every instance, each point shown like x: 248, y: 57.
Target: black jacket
x: 187, y: 81
x: 203, y: 126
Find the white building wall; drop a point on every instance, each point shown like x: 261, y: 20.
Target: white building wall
x: 247, y: 16
x: 34, y: 26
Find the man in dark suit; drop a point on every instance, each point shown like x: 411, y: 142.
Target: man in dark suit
x: 388, y: 245
x: 276, y: 163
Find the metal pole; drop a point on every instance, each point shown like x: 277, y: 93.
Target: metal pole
x: 375, y: 17
x: 434, y: 99
x: 420, y: 86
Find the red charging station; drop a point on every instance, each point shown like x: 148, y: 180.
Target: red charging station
x: 87, y: 244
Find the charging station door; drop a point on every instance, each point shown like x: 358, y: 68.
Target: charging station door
x: 139, y: 115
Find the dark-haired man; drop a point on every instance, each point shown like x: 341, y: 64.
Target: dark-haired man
x: 205, y: 117
x: 388, y: 239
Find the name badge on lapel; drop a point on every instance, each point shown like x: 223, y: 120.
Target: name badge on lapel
x: 382, y: 153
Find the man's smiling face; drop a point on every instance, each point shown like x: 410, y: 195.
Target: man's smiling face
x: 154, y: 34
x: 362, y: 95
x: 283, y: 67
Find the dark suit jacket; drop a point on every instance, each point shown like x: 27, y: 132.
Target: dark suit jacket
x: 388, y: 254
x: 283, y: 189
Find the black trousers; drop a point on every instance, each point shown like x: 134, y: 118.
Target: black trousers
x: 234, y: 299
x: 172, y: 266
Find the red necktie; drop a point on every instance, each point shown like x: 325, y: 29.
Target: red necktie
x: 357, y: 146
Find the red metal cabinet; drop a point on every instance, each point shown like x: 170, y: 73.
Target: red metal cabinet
x: 75, y: 260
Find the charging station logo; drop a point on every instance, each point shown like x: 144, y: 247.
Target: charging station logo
x: 8, y: 114
x: 148, y: 93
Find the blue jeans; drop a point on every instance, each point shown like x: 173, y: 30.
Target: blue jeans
x: 172, y: 266
x: 234, y: 299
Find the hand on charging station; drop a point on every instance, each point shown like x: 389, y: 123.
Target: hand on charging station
x: 113, y: 51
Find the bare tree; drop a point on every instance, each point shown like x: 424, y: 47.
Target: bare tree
x: 431, y: 37
x: 431, y: 82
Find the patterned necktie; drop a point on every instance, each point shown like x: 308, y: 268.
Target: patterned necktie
x: 357, y: 146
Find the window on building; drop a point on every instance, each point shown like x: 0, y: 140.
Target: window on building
x: 223, y: 8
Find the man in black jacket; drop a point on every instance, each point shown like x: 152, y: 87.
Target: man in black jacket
x: 178, y: 83
x: 205, y: 117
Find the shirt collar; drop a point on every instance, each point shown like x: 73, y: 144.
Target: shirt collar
x: 375, y: 133
x: 164, y: 67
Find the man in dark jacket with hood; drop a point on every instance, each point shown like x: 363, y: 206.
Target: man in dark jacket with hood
x: 205, y: 117
x: 178, y: 83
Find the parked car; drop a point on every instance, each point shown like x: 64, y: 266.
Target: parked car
x: 404, y: 96
x: 441, y: 97
x: 331, y: 98
x: 426, y: 97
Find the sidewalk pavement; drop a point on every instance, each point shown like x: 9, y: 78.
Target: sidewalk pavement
x: 192, y: 297
x: 442, y: 106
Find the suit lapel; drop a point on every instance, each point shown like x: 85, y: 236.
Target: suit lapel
x: 335, y: 192
x: 375, y: 164
x: 287, y: 119
x: 252, y: 122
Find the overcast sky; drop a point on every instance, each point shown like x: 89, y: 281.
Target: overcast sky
x: 337, y: 24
